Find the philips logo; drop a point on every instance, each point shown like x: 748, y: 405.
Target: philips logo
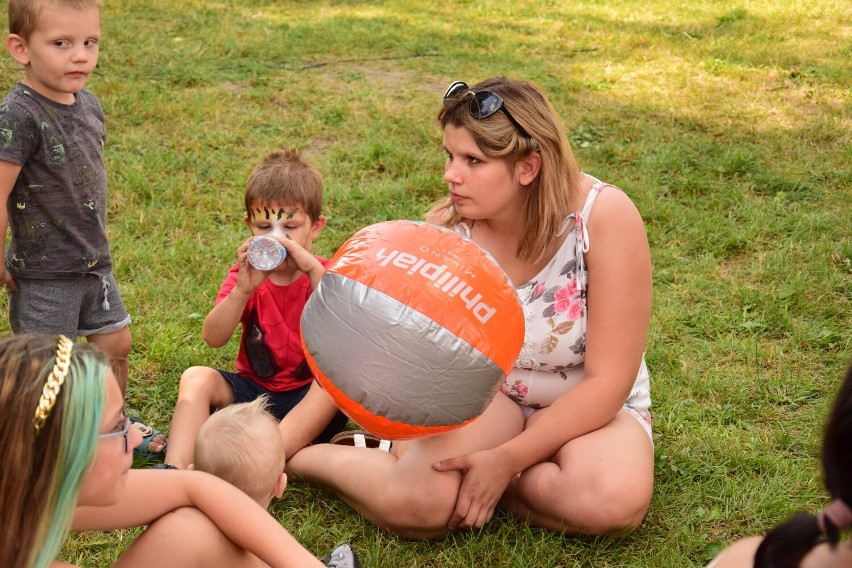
x: 441, y: 278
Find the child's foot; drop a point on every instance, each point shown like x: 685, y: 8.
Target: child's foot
x: 341, y: 557
x: 154, y: 442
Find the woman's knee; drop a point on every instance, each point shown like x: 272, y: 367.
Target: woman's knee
x: 580, y: 501
x: 611, y: 491
x: 612, y: 506
x: 416, y: 513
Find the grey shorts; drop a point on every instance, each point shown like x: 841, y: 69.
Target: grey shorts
x: 75, y: 306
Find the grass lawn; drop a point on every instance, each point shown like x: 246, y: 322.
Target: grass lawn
x: 727, y: 122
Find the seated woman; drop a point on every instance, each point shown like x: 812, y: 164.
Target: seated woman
x: 567, y: 442
x: 811, y: 541
x: 68, y: 447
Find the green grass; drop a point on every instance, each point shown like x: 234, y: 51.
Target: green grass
x: 728, y: 123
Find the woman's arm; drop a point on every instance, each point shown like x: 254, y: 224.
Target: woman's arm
x: 619, y: 312
x: 149, y: 494
x: 619, y: 308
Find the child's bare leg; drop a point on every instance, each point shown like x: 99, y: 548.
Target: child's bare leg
x: 116, y: 344
x: 307, y: 420
x: 201, y: 389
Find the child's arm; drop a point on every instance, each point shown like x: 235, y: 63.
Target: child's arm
x: 220, y: 323
x: 239, y: 518
x: 8, y: 175
x: 303, y: 261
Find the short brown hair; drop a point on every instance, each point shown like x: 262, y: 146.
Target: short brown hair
x: 241, y: 444
x: 284, y: 178
x: 23, y: 14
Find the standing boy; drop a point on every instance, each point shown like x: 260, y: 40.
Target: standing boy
x: 58, y: 268
x: 283, y: 199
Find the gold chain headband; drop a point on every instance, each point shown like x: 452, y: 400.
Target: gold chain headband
x: 54, y: 382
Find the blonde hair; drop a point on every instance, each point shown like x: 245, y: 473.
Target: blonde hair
x: 284, y: 178
x: 23, y: 14
x: 241, y: 444
x: 547, y: 200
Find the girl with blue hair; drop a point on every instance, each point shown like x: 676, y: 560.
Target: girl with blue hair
x: 68, y: 449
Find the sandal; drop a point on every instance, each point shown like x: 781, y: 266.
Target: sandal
x: 149, y: 434
x: 361, y: 439
x: 341, y: 557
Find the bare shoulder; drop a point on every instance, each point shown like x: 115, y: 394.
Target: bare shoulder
x: 741, y: 555
x: 738, y: 555
x: 616, y: 229
x: 612, y: 204
x: 823, y: 556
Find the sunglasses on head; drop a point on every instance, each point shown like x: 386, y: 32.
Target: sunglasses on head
x: 483, y: 103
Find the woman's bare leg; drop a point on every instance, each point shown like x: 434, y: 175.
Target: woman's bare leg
x: 399, y: 491
x: 599, y: 483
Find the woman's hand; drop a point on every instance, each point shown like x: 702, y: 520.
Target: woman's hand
x: 485, y: 477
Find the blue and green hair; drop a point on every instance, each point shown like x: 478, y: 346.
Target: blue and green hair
x: 40, y: 479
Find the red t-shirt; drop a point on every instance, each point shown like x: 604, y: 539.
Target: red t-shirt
x: 270, y: 346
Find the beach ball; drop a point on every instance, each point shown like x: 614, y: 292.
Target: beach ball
x: 411, y: 329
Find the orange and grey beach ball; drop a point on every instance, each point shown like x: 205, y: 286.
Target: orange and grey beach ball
x: 412, y: 329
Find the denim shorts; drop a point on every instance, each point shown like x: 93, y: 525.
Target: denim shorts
x: 73, y: 307
x: 280, y: 403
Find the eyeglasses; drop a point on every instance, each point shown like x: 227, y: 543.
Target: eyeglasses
x: 483, y: 103
x: 124, y: 433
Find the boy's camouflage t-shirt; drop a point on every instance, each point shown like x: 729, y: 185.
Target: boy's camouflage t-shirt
x: 57, y: 209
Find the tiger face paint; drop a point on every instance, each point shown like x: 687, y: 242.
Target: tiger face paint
x: 283, y: 222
